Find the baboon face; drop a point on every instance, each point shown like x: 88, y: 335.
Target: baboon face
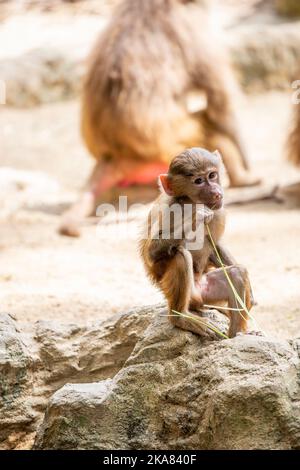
x: 201, y: 3
x: 195, y: 174
x: 192, y: 1
x: 205, y: 188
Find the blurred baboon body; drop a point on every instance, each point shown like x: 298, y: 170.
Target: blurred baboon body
x: 291, y: 192
x: 152, y: 57
x: 294, y: 138
x: 290, y: 8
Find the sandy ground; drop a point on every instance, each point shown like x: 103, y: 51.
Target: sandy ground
x: 46, y: 276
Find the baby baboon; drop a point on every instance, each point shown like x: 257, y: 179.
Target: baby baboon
x: 179, y: 269
x: 153, y: 56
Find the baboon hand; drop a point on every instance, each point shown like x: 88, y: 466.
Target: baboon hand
x: 205, y: 215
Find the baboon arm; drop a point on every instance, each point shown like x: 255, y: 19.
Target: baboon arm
x: 226, y: 257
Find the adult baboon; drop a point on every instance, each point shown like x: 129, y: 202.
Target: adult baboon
x: 153, y: 56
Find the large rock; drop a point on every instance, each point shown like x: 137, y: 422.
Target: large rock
x: 177, y: 391
x: 16, y: 380
x: 134, y: 381
x: 40, y: 76
x: 266, y: 56
x: 41, y: 358
x: 26, y: 189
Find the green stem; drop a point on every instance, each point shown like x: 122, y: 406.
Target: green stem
x: 221, y: 307
x: 197, y: 320
x: 237, y: 297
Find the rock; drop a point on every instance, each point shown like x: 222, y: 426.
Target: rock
x: 266, y: 56
x: 43, y: 75
x: 134, y: 381
x: 177, y: 391
x: 16, y: 380
x: 47, y: 65
x: 74, y: 398
x: 40, y: 359
x: 25, y: 189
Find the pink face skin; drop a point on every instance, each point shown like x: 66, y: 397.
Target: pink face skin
x: 209, y: 188
x: 204, y: 188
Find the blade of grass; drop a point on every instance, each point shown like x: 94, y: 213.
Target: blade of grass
x: 221, y: 307
x: 237, y: 297
x: 198, y: 320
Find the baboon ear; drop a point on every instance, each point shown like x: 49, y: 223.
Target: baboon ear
x: 165, y: 184
x: 221, y: 164
x: 217, y: 153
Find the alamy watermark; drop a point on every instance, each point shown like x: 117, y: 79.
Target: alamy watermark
x: 2, y: 92
x: 296, y: 93
x: 165, y: 222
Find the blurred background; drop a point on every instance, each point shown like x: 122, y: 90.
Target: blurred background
x: 43, y: 164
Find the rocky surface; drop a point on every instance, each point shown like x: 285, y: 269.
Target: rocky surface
x: 266, y: 57
x: 36, y: 360
x: 134, y: 381
x: 176, y: 391
x: 41, y: 76
x: 21, y: 189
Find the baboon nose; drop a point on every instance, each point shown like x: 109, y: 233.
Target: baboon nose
x: 218, y: 196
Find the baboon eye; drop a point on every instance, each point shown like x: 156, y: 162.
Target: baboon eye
x: 213, y: 175
x: 199, y: 180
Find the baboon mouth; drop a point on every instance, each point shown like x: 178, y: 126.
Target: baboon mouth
x: 216, y: 205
